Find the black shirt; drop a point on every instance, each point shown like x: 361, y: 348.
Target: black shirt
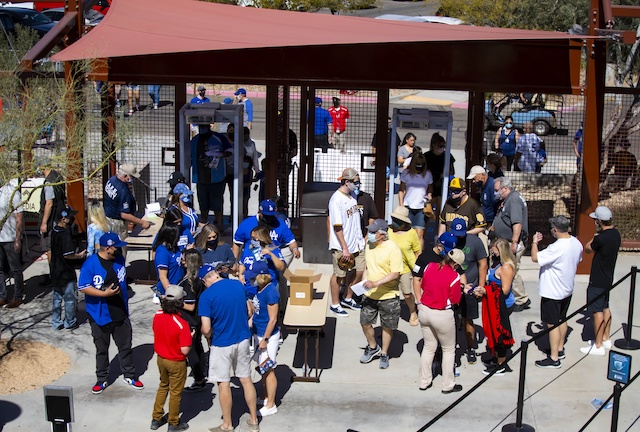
x: 367, y: 209
x: 60, y: 267
x: 117, y: 308
x: 605, y: 246
x: 192, y: 294
x: 435, y: 164
x: 426, y: 257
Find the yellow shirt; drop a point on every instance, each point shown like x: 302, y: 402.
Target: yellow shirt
x: 381, y: 260
x: 409, y: 245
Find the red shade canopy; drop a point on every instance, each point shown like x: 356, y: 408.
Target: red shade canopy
x: 176, y: 40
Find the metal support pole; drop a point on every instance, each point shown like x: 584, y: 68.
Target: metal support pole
x: 628, y: 343
x: 518, y: 426
x: 617, y: 391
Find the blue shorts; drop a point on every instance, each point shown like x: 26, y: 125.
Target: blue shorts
x: 417, y: 218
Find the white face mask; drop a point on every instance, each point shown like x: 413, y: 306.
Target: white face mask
x: 371, y: 237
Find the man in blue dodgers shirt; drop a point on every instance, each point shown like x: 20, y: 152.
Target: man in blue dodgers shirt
x: 119, y: 203
x: 278, y: 230
x: 103, y: 280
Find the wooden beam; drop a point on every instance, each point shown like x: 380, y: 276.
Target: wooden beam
x: 44, y: 46
x: 625, y: 11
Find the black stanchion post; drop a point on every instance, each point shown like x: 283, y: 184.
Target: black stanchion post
x: 628, y: 343
x: 617, y: 391
x: 518, y: 426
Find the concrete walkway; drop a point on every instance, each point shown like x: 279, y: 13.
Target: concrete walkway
x: 349, y: 395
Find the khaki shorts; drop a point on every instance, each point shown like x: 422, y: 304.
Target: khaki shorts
x: 337, y: 254
x: 272, y: 348
x: 223, y: 359
x: 406, y: 285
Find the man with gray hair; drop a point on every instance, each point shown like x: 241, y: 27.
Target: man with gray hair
x: 119, y: 202
x: 512, y: 223
x: 558, y: 267
x: 384, y: 265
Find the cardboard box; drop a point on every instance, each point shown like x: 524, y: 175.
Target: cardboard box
x: 301, y: 286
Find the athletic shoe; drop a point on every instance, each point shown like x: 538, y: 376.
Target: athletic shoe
x: 492, y: 362
x: 136, y: 384
x: 157, y: 424
x: 456, y: 388
x: 370, y: 353
x: 196, y: 386
x: 607, y: 344
x: 351, y: 304
x: 456, y: 371
x: 500, y: 370
x: 471, y: 356
x: 548, y: 363
x: 99, y: 387
x: 264, y: 411
x: 155, y: 106
x: 338, y: 311
x: 562, y: 355
x: 179, y: 427
x: 523, y: 306
x: 593, y: 350
x: 384, y: 361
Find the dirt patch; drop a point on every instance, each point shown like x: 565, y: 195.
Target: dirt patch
x: 27, y: 365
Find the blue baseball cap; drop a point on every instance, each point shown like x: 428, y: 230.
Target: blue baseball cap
x: 448, y: 241
x: 66, y: 212
x: 458, y: 227
x: 205, y: 270
x: 227, y: 101
x: 268, y: 208
x: 240, y: 91
x: 258, y: 267
x: 111, y: 239
x: 182, y: 188
x: 318, y: 101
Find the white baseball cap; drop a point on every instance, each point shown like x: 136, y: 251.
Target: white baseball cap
x: 475, y: 170
x: 602, y: 213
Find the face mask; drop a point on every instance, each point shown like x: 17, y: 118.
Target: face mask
x: 39, y: 172
x: 336, y: 104
x: 357, y: 191
x: 117, y: 253
x: 496, y: 196
x: 371, y: 237
x: 478, y: 184
x: 71, y: 219
x: 442, y: 253
x: 420, y: 168
x: 130, y: 180
x: 352, y: 186
x: 186, y: 199
x: 455, y: 201
x: 508, y: 125
x: 255, y: 243
x: 212, y: 244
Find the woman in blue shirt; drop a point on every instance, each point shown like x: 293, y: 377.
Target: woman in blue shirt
x: 214, y: 252
x: 266, y: 335
x: 506, y: 140
x: 167, y: 252
x: 262, y: 249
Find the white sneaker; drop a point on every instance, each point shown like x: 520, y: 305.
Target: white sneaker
x: 264, y: 411
x: 592, y: 350
x: 607, y: 344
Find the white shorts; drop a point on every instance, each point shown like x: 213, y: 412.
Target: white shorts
x: 271, y: 351
x: 223, y: 359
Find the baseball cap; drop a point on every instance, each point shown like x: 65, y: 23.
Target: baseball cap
x: 602, y: 213
x: 335, y: 98
x: 378, y: 225
x: 175, y: 178
x: 174, y: 292
x: 205, y: 270
x: 258, y: 267
x: 456, y: 184
x: 318, y: 101
x: 227, y: 101
x: 458, y: 227
x: 561, y: 222
x: 66, y: 211
x: 349, y: 174
x: 111, y: 239
x: 457, y: 256
x: 130, y: 169
x: 201, y: 87
x: 268, y: 208
x: 182, y: 188
x: 448, y: 241
x: 475, y: 170
x: 240, y: 91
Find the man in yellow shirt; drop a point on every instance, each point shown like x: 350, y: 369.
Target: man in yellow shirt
x: 384, y: 265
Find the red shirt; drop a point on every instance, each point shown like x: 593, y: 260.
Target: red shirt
x: 440, y: 287
x: 170, y: 333
x: 339, y: 116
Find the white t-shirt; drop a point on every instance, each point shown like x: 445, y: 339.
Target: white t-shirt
x: 343, y: 211
x: 8, y: 232
x: 558, y: 266
x: 416, y: 188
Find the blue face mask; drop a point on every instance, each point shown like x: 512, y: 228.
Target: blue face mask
x: 357, y: 191
x: 508, y: 125
x: 255, y: 243
x: 371, y: 237
x: 186, y: 199
x: 496, y: 196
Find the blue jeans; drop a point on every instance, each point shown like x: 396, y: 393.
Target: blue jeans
x: 67, y: 294
x: 154, y: 92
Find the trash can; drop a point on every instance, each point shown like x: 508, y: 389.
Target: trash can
x: 313, y: 217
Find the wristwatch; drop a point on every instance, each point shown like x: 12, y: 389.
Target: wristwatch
x: 266, y: 339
